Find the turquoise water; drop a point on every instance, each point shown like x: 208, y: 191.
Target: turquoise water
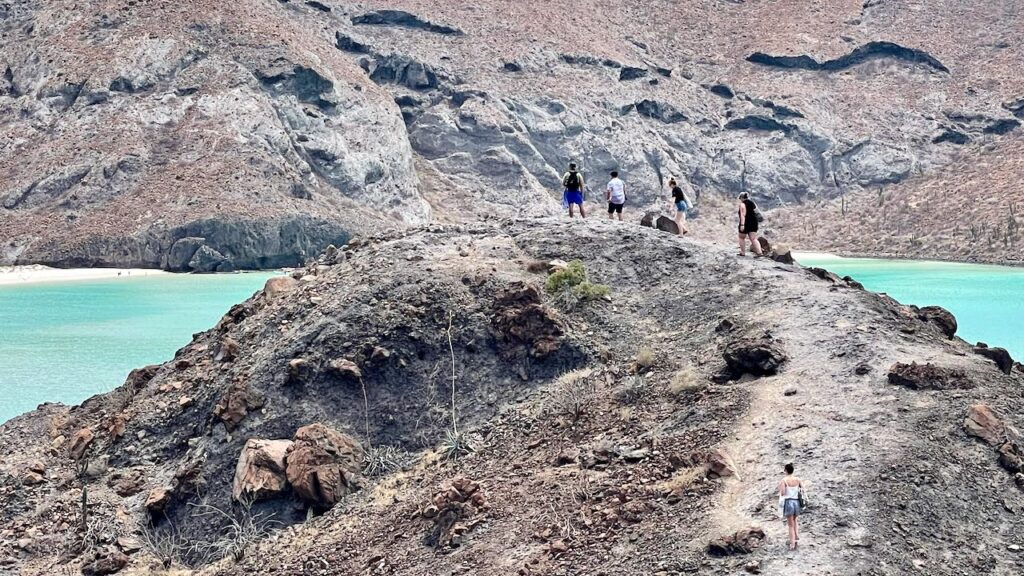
x: 66, y: 341
x: 988, y: 301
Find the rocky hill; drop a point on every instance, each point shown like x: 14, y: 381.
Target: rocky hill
x: 192, y: 135
x: 968, y: 211
x: 459, y: 400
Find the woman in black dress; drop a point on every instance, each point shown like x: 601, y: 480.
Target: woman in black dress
x: 747, y: 211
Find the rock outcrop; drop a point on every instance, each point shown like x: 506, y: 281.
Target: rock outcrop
x: 323, y: 465
x: 260, y: 473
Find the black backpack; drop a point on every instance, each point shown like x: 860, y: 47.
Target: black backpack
x: 572, y: 181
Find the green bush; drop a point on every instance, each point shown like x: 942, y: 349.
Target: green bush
x: 569, y: 287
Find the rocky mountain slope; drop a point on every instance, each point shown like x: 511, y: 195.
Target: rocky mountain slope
x: 188, y: 135
x: 640, y: 432
x: 969, y: 211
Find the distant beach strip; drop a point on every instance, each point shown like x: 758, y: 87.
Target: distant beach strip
x: 18, y: 275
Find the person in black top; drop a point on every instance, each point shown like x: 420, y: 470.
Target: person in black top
x: 747, y: 211
x: 681, y: 204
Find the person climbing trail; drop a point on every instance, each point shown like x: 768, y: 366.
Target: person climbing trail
x: 791, y: 503
x: 616, y: 195
x: 573, y: 195
x: 748, y: 224
x: 681, y: 203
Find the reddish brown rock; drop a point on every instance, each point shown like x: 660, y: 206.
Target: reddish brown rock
x: 158, y: 500
x: 322, y: 465
x: 346, y: 368
x: 107, y: 561
x: 521, y: 319
x: 941, y: 318
x: 260, y: 473
x: 985, y: 423
x: 236, y: 404
x: 928, y: 377
x: 80, y: 442
x: 741, y: 542
x: 719, y: 465
x: 279, y: 285
x: 116, y: 425
x: 227, y: 350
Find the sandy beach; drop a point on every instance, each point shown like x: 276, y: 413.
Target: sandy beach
x: 17, y: 275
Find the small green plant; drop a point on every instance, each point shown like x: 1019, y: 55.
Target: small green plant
x: 569, y: 286
x: 455, y: 445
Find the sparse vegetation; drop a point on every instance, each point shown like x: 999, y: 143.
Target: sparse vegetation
x: 569, y: 287
x: 645, y: 359
x: 686, y: 381
x: 243, y: 528
x: 381, y: 460
x: 574, y: 393
x: 455, y: 445
x: 633, y: 391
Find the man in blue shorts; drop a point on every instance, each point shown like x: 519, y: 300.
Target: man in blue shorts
x: 573, y: 183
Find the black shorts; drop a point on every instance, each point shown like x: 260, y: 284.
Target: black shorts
x: 613, y: 207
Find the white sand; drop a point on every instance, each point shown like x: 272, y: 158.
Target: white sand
x: 17, y: 275
x: 815, y: 255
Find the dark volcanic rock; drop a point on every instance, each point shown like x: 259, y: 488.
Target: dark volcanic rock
x: 741, y: 542
x: 629, y: 73
x: 940, y: 317
x: 666, y: 224
x: 404, y: 19
x: 1000, y: 356
x: 871, y: 50
x: 756, y: 356
x: 928, y: 377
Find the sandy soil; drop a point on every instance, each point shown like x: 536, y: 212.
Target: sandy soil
x: 11, y: 275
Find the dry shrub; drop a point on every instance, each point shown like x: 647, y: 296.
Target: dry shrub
x: 645, y: 359
x: 575, y: 393
x: 686, y: 381
x: 633, y: 391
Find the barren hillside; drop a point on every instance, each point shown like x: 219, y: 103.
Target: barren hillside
x: 642, y: 432
x: 969, y: 211
x: 194, y: 135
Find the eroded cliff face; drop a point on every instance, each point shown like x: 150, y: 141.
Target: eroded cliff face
x: 155, y: 134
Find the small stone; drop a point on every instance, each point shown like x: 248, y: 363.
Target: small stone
x: 789, y: 392
x: 1013, y: 548
x: 80, y: 443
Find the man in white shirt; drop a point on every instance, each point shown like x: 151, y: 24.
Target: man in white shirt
x: 616, y: 194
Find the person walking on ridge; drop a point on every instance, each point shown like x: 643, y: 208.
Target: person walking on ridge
x: 791, y: 501
x: 747, y: 211
x: 573, y: 183
x: 682, y: 204
x: 616, y: 194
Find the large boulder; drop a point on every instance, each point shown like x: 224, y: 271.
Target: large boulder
x: 323, y: 465
x: 279, y: 285
x: 940, y: 317
x: 1000, y: 356
x: 666, y: 224
x: 756, y: 356
x: 260, y: 473
x: 928, y: 377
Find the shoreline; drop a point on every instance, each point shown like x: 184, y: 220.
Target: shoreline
x: 936, y: 260
x: 38, y: 274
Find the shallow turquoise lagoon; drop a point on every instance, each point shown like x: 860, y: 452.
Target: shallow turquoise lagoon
x: 988, y: 301
x: 65, y: 341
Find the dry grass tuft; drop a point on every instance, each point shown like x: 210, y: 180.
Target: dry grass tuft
x: 686, y: 381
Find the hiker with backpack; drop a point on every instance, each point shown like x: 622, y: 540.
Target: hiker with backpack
x: 572, y: 181
x: 748, y: 224
x: 616, y: 194
x: 681, y: 202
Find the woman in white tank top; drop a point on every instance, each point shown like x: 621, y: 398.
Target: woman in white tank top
x: 790, y: 491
